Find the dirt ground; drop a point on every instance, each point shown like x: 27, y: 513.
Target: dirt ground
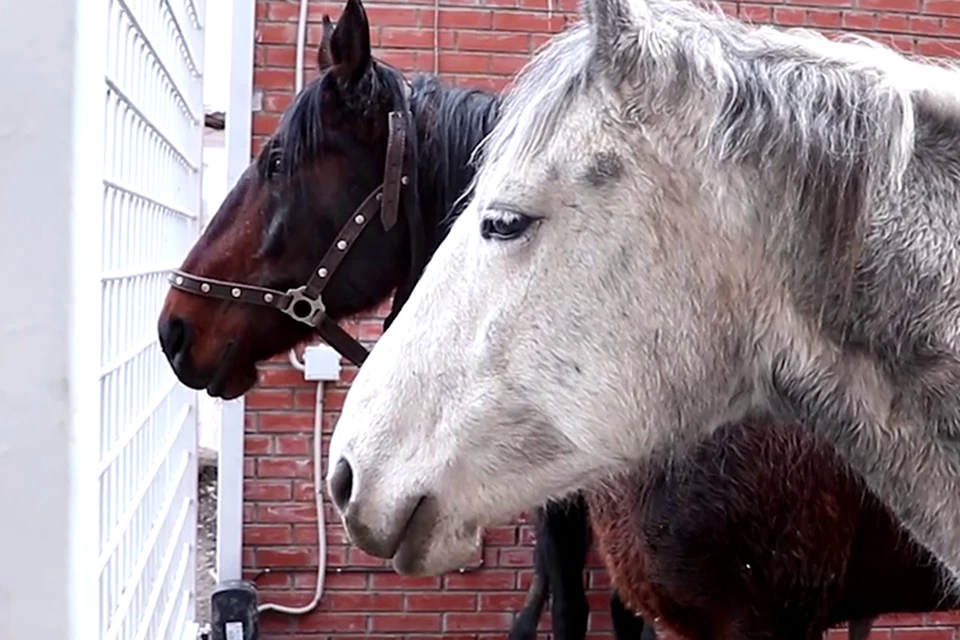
x: 206, y: 537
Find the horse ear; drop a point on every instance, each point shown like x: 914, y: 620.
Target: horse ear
x: 350, y: 41
x: 324, y: 55
x: 611, y: 20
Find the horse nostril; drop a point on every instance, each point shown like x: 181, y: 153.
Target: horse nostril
x: 341, y: 484
x: 176, y: 336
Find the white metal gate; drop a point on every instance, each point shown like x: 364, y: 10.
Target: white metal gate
x: 148, y: 431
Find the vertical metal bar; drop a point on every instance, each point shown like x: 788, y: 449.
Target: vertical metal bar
x: 237, y: 135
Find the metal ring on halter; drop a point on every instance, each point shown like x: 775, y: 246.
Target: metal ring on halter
x: 315, y: 309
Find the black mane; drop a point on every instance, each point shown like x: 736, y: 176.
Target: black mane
x: 451, y: 122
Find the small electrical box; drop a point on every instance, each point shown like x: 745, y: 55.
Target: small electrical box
x: 321, y: 362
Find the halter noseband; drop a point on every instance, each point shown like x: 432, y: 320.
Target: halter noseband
x: 305, y: 304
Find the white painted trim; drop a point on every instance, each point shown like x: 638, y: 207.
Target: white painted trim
x: 86, y: 219
x: 239, y: 118
x: 237, y: 136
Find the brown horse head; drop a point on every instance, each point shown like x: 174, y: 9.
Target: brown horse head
x: 278, y: 222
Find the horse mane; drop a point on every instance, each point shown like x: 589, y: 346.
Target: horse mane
x: 456, y: 120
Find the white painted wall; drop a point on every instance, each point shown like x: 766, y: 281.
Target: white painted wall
x: 50, y: 199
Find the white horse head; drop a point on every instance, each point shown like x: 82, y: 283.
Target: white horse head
x: 678, y: 219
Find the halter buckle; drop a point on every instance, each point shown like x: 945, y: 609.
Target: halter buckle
x: 303, y: 308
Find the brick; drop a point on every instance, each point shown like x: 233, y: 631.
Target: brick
x: 538, y: 21
x: 600, y: 621
x: 359, y: 558
x: 276, y: 581
x: 481, y: 621
x: 407, y: 38
x: 507, y: 64
x: 396, y: 581
x: 333, y: 622
x: 900, y: 620
x: 944, y: 617
x: 904, y: 6
x: 333, y: 399
x: 926, y: 25
x: 490, y: 41
x: 273, y: 79
x: 280, y: 56
x: 337, y: 601
x: 257, y: 445
x: 287, y: 422
x: 759, y: 14
x: 286, y: 513
x: 483, y: 83
x: 281, y: 376
x: 599, y: 580
x: 303, y: 491
x: 923, y: 634
x: 859, y: 20
x: 893, y: 22
x: 507, y: 601
x: 307, y: 534
x: 464, y: 19
x: 286, y: 557
x: 441, y: 602
x: 273, y: 33
x: 284, y: 468
x: 389, y: 622
x: 265, y: 123
x: 517, y: 557
x: 259, y: 398
x: 267, y: 534
x: 824, y: 18
x: 400, y: 58
x: 486, y: 580
x: 458, y: 62
x: 305, y: 399
x: 333, y: 581
x: 938, y: 48
x: 500, y: 537
x: 538, y: 40
x: 943, y: 7
x: 395, y: 16
x: 294, y: 445
x: 951, y: 26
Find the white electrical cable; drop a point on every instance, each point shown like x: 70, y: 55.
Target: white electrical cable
x: 295, y: 361
x: 318, y: 494
x: 301, y: 44
x: 318, y: 407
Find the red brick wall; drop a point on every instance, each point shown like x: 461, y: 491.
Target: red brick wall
x: 481, y: 43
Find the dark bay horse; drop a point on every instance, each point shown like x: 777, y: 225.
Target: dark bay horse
x: 760, y: 533
x: 341, y: 168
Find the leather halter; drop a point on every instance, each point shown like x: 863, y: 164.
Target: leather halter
x: 305, y: 303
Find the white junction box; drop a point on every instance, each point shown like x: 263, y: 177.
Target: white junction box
x: 321, y: 362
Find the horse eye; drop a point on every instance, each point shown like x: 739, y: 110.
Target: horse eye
x: 275, y: 164
x: 505, y: 226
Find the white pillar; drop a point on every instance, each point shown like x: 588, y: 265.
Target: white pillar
x: 51, y: 121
